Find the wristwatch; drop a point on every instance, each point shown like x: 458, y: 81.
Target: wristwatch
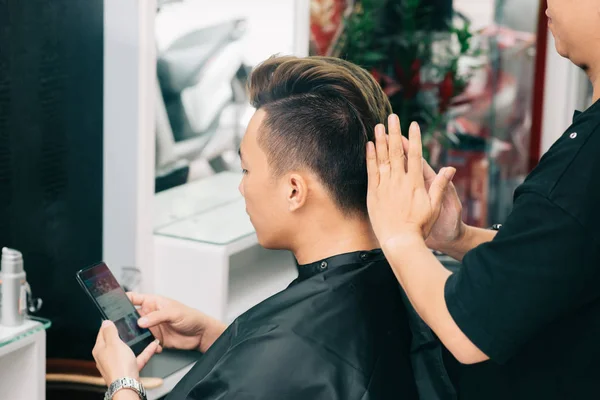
x: 125, y: 383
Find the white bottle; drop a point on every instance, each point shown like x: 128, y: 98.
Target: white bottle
x: 11, y: 275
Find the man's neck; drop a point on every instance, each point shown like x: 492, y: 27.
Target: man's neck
x: 331, y: 237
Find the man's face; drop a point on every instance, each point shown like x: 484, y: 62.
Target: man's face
x: 265, y: 196
x: 575, y: 25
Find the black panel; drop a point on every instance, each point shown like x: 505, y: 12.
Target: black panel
x: 51, y: 93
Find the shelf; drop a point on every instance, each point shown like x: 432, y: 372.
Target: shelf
x: 221, y: 225
x: 10, y: 334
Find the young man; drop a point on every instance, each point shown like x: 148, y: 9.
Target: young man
x: 522, y: 315
x: 339, y: 331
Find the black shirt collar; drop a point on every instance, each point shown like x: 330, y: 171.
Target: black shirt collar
x: 592, y: 109
x: 306, y: 271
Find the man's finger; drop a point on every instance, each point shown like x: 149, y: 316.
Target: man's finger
x: 136, y: 298
x: 145, y: 355
x: 395, y: 144
x: 109, y: 332
x: 99, y: 340
x: 372, y: 170
x: 438, y: 187
x: 415, y: 153
x: 154, y: 318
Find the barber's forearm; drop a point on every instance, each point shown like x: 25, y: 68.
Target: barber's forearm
x: 471, y: 238
x: 423, y: 278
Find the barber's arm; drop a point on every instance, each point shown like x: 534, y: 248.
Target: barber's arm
x: 397, y: 222
x: 508, y: 289
x: 423, y: 278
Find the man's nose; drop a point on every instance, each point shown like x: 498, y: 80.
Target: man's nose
x: 241, y: 188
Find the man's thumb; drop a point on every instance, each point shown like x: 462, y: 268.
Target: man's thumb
x: 438, y: 187
x: 109, y: 331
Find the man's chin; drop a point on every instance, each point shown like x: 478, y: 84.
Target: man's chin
x: 268, y: 244
x: 560, y: 48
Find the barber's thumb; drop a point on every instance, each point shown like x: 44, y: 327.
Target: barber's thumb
x: 439, y: 185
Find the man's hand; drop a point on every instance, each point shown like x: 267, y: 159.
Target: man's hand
x: 114, y: 359
x: 400, y: 206
x: 176, y: 325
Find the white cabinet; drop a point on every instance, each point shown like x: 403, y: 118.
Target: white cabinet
x: 23, y: 361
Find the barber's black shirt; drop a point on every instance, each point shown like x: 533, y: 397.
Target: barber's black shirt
x: 339, y: 332
x: 530, y: 299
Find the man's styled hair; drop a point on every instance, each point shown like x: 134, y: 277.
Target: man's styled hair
x: 320, y: 113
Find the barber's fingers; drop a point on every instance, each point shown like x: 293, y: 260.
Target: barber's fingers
x: 381, y: 147
x: 145, y: 355
x: 405, y: 144
x: 396, y: 150
x: 415, y: 155
x: 372, y: 168
x: 428, y: 172
x: 439, y: 186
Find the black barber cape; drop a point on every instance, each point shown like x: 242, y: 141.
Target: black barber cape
x: 530, y: 299
x: 338, y: 332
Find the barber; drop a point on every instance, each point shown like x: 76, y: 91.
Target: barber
x: 521, y: 318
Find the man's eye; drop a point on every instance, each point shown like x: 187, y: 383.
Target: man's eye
x: 244, y: 171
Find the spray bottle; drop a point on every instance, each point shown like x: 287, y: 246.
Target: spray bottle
x: 12, y: 276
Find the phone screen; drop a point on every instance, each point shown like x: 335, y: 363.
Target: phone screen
x: 114, y: 304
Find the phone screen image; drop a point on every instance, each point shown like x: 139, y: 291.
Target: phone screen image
x: 110, y: 297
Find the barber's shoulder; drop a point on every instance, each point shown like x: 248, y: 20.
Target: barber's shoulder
x: 567, y: 172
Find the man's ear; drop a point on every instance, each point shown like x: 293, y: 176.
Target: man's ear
x: 297, y: 191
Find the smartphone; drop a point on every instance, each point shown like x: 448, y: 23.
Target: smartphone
x: 110, y: 298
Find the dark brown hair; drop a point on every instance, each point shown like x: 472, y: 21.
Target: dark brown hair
x: 320, y: 113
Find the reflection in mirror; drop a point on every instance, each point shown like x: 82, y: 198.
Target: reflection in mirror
x: 205, y: 51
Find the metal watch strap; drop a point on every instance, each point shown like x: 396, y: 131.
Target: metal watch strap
x: 125, y: 383
x: 496, y: 227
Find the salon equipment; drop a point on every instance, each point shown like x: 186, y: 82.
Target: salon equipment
x: 12, y: 276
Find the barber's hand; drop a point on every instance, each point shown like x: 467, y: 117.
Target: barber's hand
x: 399, y: 203
x: 176, y: 325
x: 114, y: 359
x: 449, y: 227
